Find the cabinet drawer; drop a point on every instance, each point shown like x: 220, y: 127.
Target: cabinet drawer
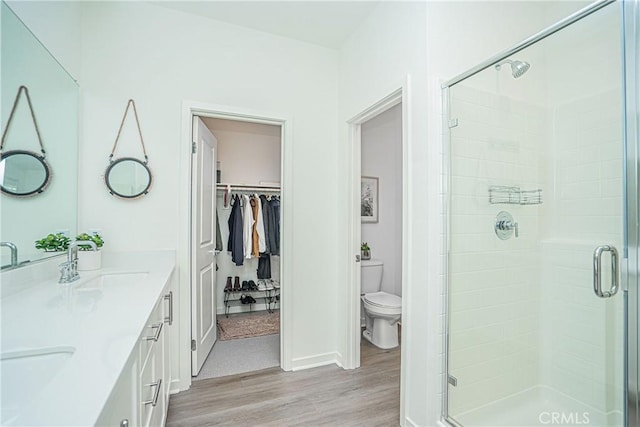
x: 151, y: 386
x: 152, y: 332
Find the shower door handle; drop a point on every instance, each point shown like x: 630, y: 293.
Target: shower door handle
x: 597, y: 271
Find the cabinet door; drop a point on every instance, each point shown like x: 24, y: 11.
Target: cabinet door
x: 152, y: 386
x: 120, y: 409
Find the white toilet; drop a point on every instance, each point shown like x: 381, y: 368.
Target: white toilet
x: 382, y: 310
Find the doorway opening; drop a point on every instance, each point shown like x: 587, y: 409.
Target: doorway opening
x: 378, y: 235
x: 236, y: 298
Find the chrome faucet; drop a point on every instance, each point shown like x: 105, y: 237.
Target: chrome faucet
x: 14, y: 253
x: 69, y: 269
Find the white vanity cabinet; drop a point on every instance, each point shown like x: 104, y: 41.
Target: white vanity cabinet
x: 120, y: 409
x: 141, y: 395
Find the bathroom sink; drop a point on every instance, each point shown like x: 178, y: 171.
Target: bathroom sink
x: 24, y: 373
x: 115, y: 279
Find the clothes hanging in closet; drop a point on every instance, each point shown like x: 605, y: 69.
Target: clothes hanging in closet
x: 235, y: 242
x: 264, y: 266
x: 274, y: 229
x: 247, y: 226
x: 254, y: 227
x: 218, y: 234
x: 262, y: 245
x: 271, y: 216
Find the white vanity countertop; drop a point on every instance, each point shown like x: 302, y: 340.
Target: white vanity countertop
x: 102, y: 323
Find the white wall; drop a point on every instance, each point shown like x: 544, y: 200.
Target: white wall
x: 160, y: 58
x: 375, y: 61
x: 382, y: 158
x: 249, y: 153
x: 57, y: 24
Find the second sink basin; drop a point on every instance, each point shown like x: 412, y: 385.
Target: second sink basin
x: 24, y: 373
x: 115, y: 279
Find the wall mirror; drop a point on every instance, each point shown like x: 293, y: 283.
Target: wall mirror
x: 128, y: 178
x: 54, y: 95
x: 23, y: 173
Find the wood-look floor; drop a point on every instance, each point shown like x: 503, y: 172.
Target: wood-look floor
x: 324, y: 396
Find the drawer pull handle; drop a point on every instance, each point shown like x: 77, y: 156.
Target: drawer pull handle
x: 156, y: 393
x: 169, y: 297
x: 158, y: 328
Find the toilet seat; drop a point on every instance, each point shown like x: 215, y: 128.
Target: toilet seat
x: 383, y: 300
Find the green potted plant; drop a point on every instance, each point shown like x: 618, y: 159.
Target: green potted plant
x: 365, y: 251
x: 88, y: 259
x: 53, y: 243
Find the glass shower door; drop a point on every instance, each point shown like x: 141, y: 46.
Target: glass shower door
x: 536, y: 204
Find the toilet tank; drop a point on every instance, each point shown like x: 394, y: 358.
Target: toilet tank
x: 371, y: 276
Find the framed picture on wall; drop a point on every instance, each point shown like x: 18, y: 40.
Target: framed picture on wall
x: 369, y: 199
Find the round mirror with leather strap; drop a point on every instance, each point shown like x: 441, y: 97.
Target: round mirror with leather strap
x: 23, y: 173
x: 128, y: 177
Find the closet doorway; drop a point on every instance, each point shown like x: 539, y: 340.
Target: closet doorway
x: 238, y: 294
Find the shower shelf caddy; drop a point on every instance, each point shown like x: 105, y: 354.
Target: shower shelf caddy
x: 499, y: 194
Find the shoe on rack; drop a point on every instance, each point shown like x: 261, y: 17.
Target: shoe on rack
x: 269, y: 285
x: 236, y: 284
x: 252, y: 286
x: 250, y: 299
x: 228, y: 287
x: 245, y: 285
x: 275, y: 284
x: 243, y: 299
x: 261, y: 285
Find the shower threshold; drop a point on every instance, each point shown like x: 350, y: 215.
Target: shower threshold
x: 538, y: 406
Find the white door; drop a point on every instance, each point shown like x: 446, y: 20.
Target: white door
x: 203, y: 241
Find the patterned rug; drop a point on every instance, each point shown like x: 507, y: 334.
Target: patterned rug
x: 250, y: 325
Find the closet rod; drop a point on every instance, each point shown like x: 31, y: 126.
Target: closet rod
x: 225, y: 187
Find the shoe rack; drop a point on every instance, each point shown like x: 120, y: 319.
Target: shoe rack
x: 270, y: 298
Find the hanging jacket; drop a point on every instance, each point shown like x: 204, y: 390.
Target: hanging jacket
x: 262, y: 245
x: 264, y: 266
x: 247, y: 226
x: 266, y: 219
x: 274, y: 227
x: 218, y: 234
x: 235, y: 245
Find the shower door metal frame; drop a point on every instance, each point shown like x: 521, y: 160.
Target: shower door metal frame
x: 630, y: 270
x: 631, y: 61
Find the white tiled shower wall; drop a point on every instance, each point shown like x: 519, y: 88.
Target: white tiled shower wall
x: 581, y: 331
x: 494, y: 292
x: 523, y: 311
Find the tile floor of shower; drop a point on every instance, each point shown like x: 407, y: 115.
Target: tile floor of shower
x: 538, y: 406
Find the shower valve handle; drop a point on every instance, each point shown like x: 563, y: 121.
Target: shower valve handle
x: 507, y: 225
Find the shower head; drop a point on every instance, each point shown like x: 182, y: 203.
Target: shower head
x: 518, y: 68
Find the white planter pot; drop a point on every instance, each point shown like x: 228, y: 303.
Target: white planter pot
x: 89, y: 260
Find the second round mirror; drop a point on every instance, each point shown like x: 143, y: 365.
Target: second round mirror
x: 128, y: 178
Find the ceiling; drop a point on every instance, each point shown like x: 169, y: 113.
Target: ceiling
x: 226, y: 125
x: 324, y: 23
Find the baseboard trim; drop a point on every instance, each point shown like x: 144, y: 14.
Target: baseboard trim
x: 178, y: 386
x: 408, y: 422
x: 314, y: 361
x: 339, y: 359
